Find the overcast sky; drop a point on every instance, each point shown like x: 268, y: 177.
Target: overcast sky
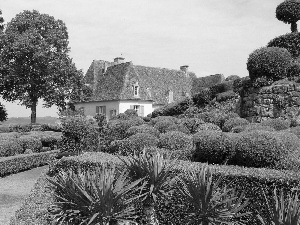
x: 211, y: 36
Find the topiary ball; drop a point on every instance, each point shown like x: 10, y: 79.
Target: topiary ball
x: 277, y: 124
x: 212, y: 147
x: 144, y: 128
x: 234, y: 122
x: 208, y: 126
x: 269, y: 63
x: 177, y: 142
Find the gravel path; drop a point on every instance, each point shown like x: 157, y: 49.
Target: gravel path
x: 14, y: 189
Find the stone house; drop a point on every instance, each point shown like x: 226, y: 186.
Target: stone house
x: 119, y: 85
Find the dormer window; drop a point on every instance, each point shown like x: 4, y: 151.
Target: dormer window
x: 136, y: 90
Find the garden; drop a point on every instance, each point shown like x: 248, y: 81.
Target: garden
x: 221, y: 156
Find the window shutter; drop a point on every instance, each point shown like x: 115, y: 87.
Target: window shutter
x: 142, y: 110
x: 104, y: 110
x: 97, y: 109
x: 131, y: 106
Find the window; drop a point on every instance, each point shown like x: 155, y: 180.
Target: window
x: 112, y: 113
x: 136, y: 89
x: 139, y: 109
x: 171, y: 96
x: 101, y: 109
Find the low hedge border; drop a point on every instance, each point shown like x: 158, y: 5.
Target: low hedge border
x: 18, y: 163
x: 249, y: 180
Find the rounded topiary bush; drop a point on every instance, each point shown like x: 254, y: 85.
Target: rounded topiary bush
x: 251, y: 127
x: 269, y: 63
x: 234, y: 122
x: 216, y: 116
x: 277, y: 124
x: 137, y: 142
x: 164, y: 126
x: 191, y: 124
x: 212, y: 147
x: 177, y: 142
x: 163, y: 118
x: 294, y: 130
x: 261, y: 149
x: 290, y: 41
x: 144, y: 128
x: 208, y: 126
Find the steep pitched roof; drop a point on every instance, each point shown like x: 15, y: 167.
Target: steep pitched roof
x: 154, y: 83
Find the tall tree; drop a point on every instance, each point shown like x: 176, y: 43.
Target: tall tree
x: 34, y: 61
x: 1, y: 22
x: 289, y: 12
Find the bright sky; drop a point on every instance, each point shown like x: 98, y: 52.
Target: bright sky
x: 211, y: 36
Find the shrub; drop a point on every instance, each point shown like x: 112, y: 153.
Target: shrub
x: 293, y: 70
x: 202, y: 97
x: 261, y: 149
x: 191, y: 124
x: 233, y: 122
x: 131, y: 113
x: 29, y: 142
x: 208, y: 126
x: 216, y: 116
x: 294, y: 130
x: 290, y: 42
x: 277, y: 124
x: 142, y: 129
x: 10, y: 147
x: 212, y: 147
x: 269, y: 63
x: 50, y: 141
x: 220, y: 88
x: 18, y: 163
x: 232, y: 78
x: 164, y: 126
x: 251, y: 127
x: 20, y: 127
x: 4, y: 129
x: 79, y: 134
x: 179, y: 143
x: 238, y: 84
x: 190, y: 112
x: 163, y: 118
x: 222, y: 97
x: 51, y: 127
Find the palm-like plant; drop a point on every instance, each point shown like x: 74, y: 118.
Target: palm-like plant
x: 159, y: 176
x: 98, y: 196
x: 283, y: 211
x: 210, y: 204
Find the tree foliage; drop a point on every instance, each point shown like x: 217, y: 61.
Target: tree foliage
x: 34, y: 61
x: 1, y: 22
x: 289, y: 12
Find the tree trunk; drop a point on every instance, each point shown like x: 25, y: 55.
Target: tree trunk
x: 33, y: 112
x: 294, y: 27
x: 150, y: 214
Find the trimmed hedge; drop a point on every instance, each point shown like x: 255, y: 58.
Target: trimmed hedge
x: 216, y: 116
x: 18, y: 163
x: 142, y: 129
x: 233, y: 122
x: 178, y: 143
x: 207, y: 127
x: 164, y: 126
x: 249, y: 180
x: 277, y: 124
x: 30, y: 142
x: 269, y: 63
x: 261, y: 149
x: 212, y: 147
x: 251, y: 127
x: 191, y: 124
x: 10, y: 147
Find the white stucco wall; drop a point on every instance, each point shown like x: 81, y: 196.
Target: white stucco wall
x: 120, y: 106
x: 90, y: 107
x: 125, y: 104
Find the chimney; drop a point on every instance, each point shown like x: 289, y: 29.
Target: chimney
x: 118, y: 60
x: 184, y: 68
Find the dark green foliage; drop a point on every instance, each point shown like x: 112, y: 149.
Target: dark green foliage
x: 3, y: 113
x: 142, y: 129
x: 290, y: 41
x: 289, y: 12
x: 294, y: 130
x: 233, y: 122
x: 200, y: 83
x: 262, y: 149
x: 212, y: 147
x: 163, y: 118
x: 293, y: 71
x: 131, y: 113
x: 34, y: 61
x: 190, y: 112
x: 18, y: 163
x: 220, y: 88
x: 222, y: 97
x: 1, y: 22
x: 20, y: 127
x: 180, y: 144
x: 238, y: 84
x: 173, y: 109
x: 277, y: 124
x: 269, y: 64
x: 51, y: 127
x: 202, y: 97
x: 164, y: 126
x: 191, y: 124
x: 79, y: 134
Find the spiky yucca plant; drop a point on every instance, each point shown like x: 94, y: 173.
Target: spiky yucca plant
x: 282, y: 211
x: 99, y: 196
x: 209, y: 203
x: 158, y: 175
